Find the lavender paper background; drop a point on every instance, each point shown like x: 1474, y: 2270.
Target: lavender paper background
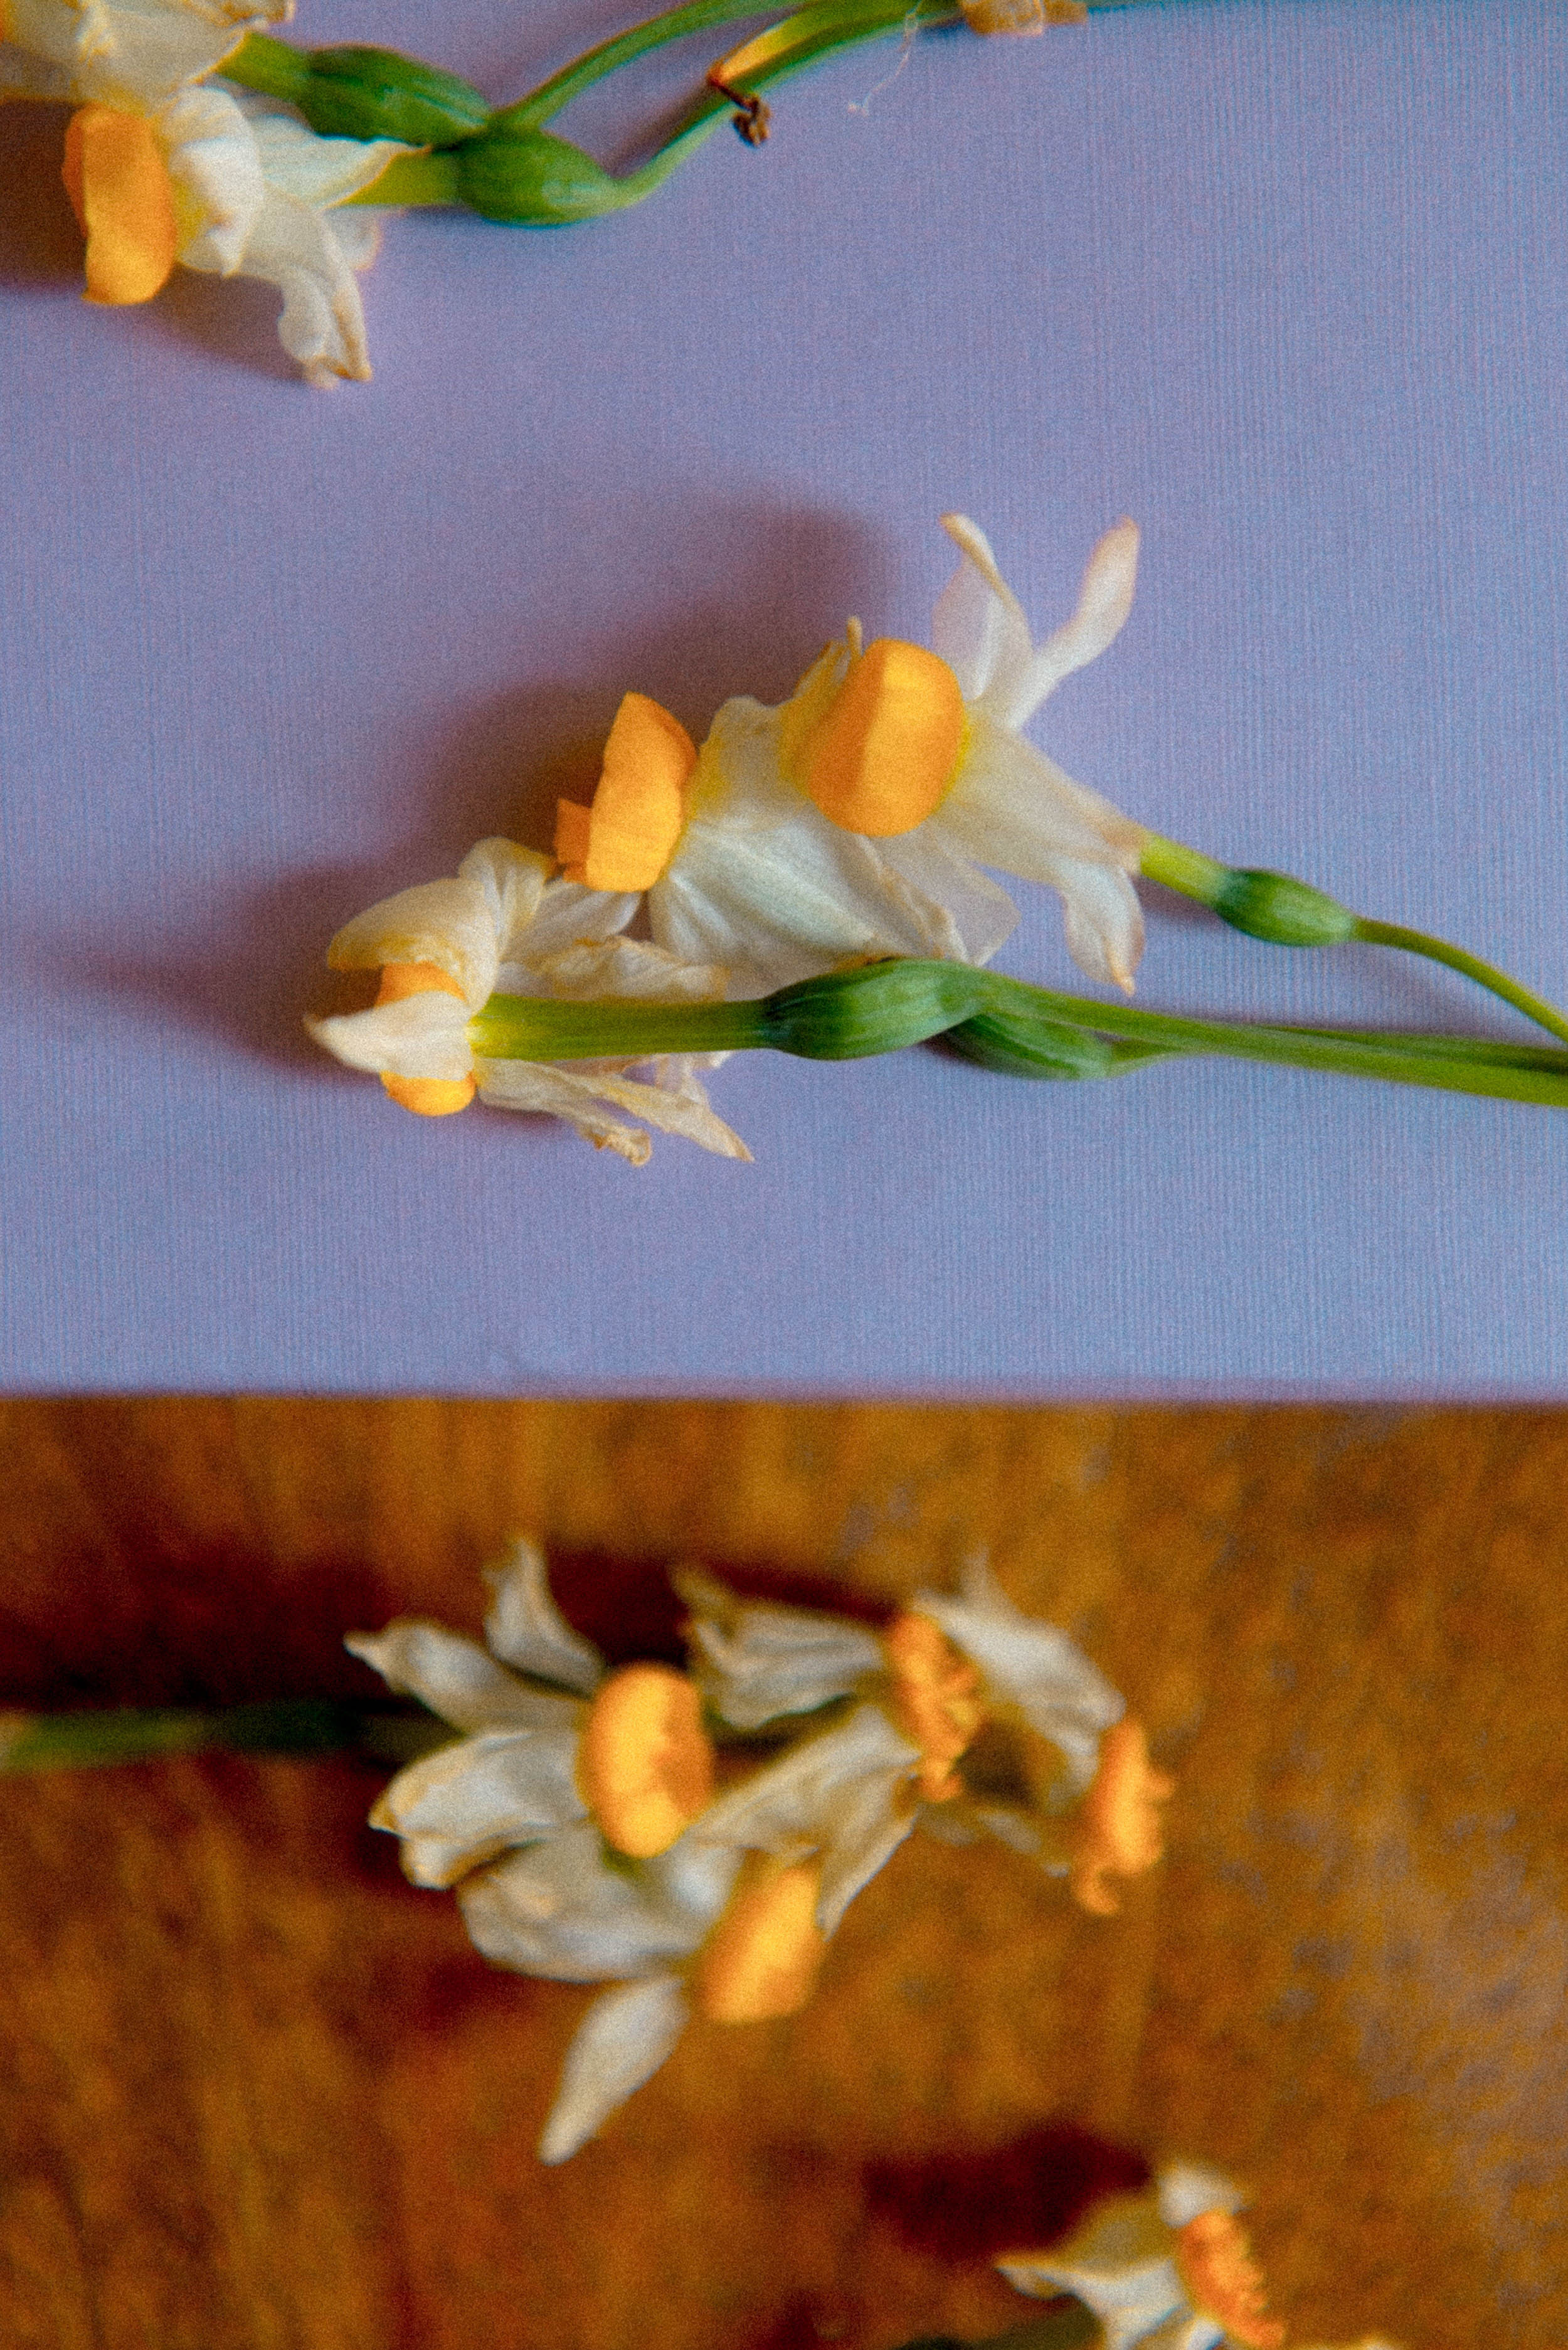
x: 1284, y: 279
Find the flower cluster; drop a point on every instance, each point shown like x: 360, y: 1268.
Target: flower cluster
x: 1172, y: 2269
x: 845, y: 825
x: 594, y: 1831
x: 162, y: 166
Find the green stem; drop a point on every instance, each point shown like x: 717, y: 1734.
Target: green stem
x: 541, y: 105
x: 882, y: 1007
x: 90, y: 1740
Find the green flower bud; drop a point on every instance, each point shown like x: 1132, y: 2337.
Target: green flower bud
x: 1013, y: 1044
x: 879, y: 1008
x: 1286, y: 913
x: 363, y: 93
x: 513, y: 173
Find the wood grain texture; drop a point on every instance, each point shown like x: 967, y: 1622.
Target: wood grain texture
x: 257, y: 2091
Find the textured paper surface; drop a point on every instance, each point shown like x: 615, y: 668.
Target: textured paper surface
x: 1283, y: 279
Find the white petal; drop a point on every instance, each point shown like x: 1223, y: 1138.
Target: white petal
x: 457, y: 1680
x: 48, y: 41
x: 1187, y: 2189
x: 422, y: 1037
x: 1012, y: 807
x: 981, y: 915
x: 1130, y: 2300
x: 450, y: 923
x: 157, y: 48
x: 515, y: 882
x: 318, y: 172
x: 527, y: 1629
x: 623, y: 2040
x: 212, y: 156
x: 580, y: 1099
x: 629, y: 967
x: 865, y: 1824
x: 754, y: 1661
x: 558, y: 1909
x: 1102, y: 922
x: 1036, y: 1669
x: 978, y: 627
x: 781, y: 905
x: 1104, y: 599
x: 293, y: 247
x: 785, y: 1807
x: 468, y: 1803
x: 567, y: 914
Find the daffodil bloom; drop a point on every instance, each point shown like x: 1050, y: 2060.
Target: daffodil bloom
x: 1172, y: 2269
x: 852, y: 820
x: 566, y: 1817
x: 444, y: 948
x: 969, y: 1682
x: 162, y: 166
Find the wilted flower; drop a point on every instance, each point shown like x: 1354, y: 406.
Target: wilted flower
x: 853, y: 819
x: 444, y: 948
x: 566, y: 1818
x: 966, y: 1702
x: 161, y: 167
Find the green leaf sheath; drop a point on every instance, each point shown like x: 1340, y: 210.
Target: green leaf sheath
x: 1285, y: 912
x: 94, y: 1739
x: 1002, y: 1022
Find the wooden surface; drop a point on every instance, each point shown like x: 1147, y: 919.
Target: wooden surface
x: 257, y: 2091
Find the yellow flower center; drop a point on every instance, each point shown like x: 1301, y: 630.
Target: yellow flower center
x: 881, y: 758
x: 1122, y: 1831
x: 1224, y: 2282
x: 763, y: 1957
x: 628, y: 837
x: 644, y: 1768
x: 119, y: 190
x: 426, y: 1097
x: 936, y: 1700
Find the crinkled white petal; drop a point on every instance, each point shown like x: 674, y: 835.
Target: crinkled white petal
x: 781, y: 905
x: 213, y: 162
x: 754, y: 1661
x: 786, y: 1807
x: 318, y: 172
x: 622, y: 2042
x: 467, y: 1804
x: 629, y: 967
x: 456, y: 1679
x: 527, y: 1629
x: 1035, y: 1668
x: 56, y: 32
x: 516, y: 886
x: 558, y: 1909
x: 294, y: 247
x: 1104, y: 599
x: 1187, y: 2189
x: 978, y: 627
x: 453, y: 924
x: 157, y: 46
x: 567, y: 915
x: 582, y: 1098
x: 1131, y: 2301
x: 422, y: 1037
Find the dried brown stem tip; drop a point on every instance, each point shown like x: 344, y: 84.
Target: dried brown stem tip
x: 752, y: 116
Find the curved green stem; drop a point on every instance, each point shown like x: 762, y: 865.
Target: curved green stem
x: 693, y: 16
x: 1284, y: 912
x: 1485, y: 974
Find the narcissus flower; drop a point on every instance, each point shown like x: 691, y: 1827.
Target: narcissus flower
x: 565, y: 1816
x: 967, y: 1703
x: 852, y: 820
x: 163, y: 167
x: 444, y: 948
x: 1172, y: 2268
